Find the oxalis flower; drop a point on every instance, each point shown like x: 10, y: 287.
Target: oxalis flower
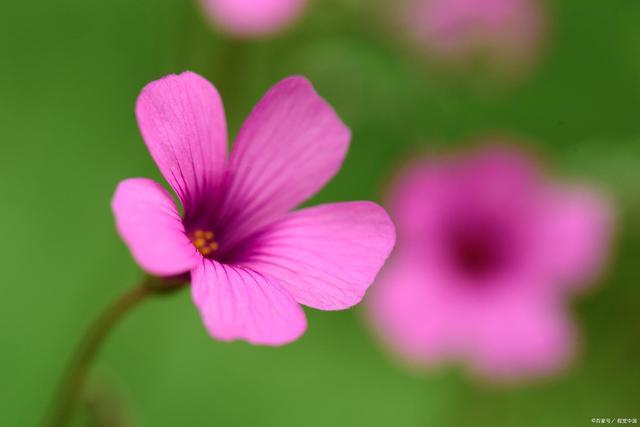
x: 252, y: 262
x: 253, y: 18
x: 506, y: 31
x: 488, y: 253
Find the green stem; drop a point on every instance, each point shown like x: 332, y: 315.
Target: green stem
x: 76, y: 375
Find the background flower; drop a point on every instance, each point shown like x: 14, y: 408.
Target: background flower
x: 488, y: 252
x: 506, y: 32
x: 253, y: 18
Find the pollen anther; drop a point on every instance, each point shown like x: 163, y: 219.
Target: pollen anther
x: 204, y: 242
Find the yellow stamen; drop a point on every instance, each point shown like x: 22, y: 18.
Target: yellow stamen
x: 203, y: 241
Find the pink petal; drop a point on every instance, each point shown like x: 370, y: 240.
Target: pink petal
x: 508, y: 29
x: 496, y: 178
x: 238, y: 303
x: 419, y: 195
x: 326, y: 256
x: 150, y: 225
x: 413, y: 314
x: 429, y: 319
x: 253, y: 17
x: 519, y: 338
x: 290, y: 146
x: 183, y: 124
x: 576, y: 235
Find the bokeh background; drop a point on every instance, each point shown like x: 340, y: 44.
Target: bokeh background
x: 70, y: 73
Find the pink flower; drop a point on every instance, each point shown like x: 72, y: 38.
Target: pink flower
x: 249, y: 18
x: 252, y: 262
x: 488, y: 253
x: 506, y: 30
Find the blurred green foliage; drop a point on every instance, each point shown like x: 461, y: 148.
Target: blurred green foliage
x: 71, y: 71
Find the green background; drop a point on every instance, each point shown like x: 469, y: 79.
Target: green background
x: 70, y: 74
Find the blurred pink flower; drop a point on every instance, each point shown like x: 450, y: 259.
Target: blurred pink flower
x: 505, y: 30
x: 488, y: 253
x: 251, y: 261
x: 252, y: 18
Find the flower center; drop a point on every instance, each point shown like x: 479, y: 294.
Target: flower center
x: 479, y: 251
x: 477, y: 257
x: 204, y: 242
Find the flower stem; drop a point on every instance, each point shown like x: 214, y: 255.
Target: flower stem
x: 76, y: 375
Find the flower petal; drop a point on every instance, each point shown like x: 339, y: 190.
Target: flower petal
x: 326, y: 256
x: 150, y: 225
x: 496, y: 179
x: 576, y: 235
x: 520, y: 338
x: 238, y: 303
x: 182, y: 121
x: 253, y: 17
x: 413, y: 313
x: 428, y: 319
x: 290, y: 146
